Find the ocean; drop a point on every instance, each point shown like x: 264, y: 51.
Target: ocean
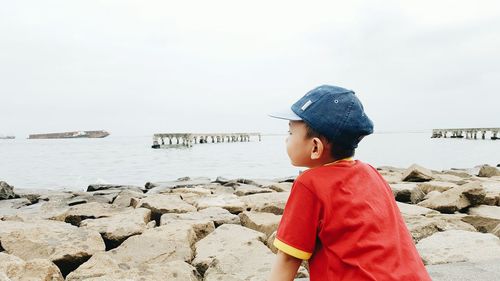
x: 76, y: 163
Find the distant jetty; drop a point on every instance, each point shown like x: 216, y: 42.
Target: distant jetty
x: 71, y: 135
x: 468, y: 133
x: 188, y: 139
x: 7, y: 137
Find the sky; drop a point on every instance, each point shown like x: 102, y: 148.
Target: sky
x: 143, y: 67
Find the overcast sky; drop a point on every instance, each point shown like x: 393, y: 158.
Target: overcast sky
x: 140, y: 67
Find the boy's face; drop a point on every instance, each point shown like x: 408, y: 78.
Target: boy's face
x: 298, y: 146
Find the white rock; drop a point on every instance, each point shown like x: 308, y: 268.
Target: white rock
x: 458, y: 246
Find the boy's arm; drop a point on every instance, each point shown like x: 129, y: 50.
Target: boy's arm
x: 285, y: 267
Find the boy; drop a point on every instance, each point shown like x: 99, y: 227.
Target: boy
x: 341, y: 215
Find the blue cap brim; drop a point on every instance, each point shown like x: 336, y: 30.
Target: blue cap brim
x: 286, y: 115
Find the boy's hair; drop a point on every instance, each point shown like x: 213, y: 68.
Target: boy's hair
x: 338, y: 151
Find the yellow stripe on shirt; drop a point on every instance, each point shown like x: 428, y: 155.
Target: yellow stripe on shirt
x: 294, y: 252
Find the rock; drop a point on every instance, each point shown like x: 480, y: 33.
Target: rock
x: 15, y: 268
x: 160, y: 204
x: 414, y: 210
x: 217, y: 215
x: 181, y: 182
x: 484, y: 218
x: 266, y: 223
x: 94, y: 210
x: 124, y: 198
x: 111, y: 269
x: 496, y: 231
x: 230, y: 202
x: 432, y: 194
x: 290, y: 179
x: 461, y: 173
x: 270, y: 242
x: 65, y: 245
x: 116, y: 228
x: 454, y: 199
x: 442, y: 247
x: 14, y: 203
x: 159, y: 246
x: 392, y: 178
x: 440, y: 186
x: 492, y: 189
x: 475, y: 195
x: 487, y: 171
x: 195, y: 190
x: 6, y: 191
x: 233, y: 252
x: 247, y: 189
x: 465, y: 271
x: 99, y: 187
x: 274, y: 185
x: 421, y: 227
x: 416, y: 173
x: 402, y: 191
x: 267, y: 202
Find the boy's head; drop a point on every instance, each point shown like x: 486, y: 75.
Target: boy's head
x: 325, y: 125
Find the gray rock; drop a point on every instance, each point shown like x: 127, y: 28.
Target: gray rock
x: 454, y: 199
x: 267, y: 202
x: 230, y: 202
x: 159, y: 246
x: 93, y: 210
x: 421, y: 227
x: 416, y: 173
x: 116, y: 228
x: 98, y: 187
x: 111, y: 269
x: 414, y: 210
x: 487, y: 171
x: 181, y: 182
x: 465, y: 271
x: 247, y: 189
x: 65, y: 245
x: 160, y: 204
x: 266, y: 223
x: 14, y: 268
x: 233, y: 252
x: 124, y: 198
x: 442, y: 247
x: 6, y: 191
x: 217, y: 215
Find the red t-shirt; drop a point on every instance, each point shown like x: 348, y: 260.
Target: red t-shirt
x: 344, y: 219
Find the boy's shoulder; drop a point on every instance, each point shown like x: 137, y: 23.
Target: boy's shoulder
x: 339, y: 173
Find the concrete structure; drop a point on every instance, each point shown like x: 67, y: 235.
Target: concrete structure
x: 468, y: 133
x: 188, y: 139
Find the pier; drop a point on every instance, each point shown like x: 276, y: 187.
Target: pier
x: 468, y: 133
x: 189, y: 139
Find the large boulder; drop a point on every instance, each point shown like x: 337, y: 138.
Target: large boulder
x: 93, y: 210
x: 159, y: 245
x: 465, y: 271
x: 15, y: 268
x: 161, y: 187
x: 98, y: 187
x: 116, y: 228
x: 233, y: 252
x: 484, y: 218
x: 230, y: 202
x: 248, y: 189
x: 458, y: 246
x: 421, y: 227
x: 217, y: 215
x: 65, y: 245
x: 111, y: 269
x: 416, y: 173
x: 456, y: 199
x: 487, y: 171
x: 124, y: 198
x: 160, y: 204
x: 267, y: 202
x: 6, y: 191
x: 414, y: 210
x: 266, y: 223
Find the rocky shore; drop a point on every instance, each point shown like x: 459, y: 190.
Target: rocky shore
x: 200, y: 229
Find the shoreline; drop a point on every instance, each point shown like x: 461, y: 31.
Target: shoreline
x: 175, y: 229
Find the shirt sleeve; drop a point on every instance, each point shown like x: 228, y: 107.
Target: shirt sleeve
x: 297, y: 231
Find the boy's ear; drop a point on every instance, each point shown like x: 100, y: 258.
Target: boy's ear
x: 317, y: 148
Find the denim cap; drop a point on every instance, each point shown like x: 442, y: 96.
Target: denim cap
x: 333, y: 112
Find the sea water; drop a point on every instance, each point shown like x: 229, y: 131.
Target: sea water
x: 76, y: 163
